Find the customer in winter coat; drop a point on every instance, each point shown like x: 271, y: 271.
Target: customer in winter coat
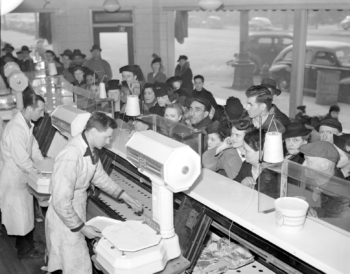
x: 230, y: 154
x: 200, y: 91
x: 157, y: 74
x: 184, y: 71
x: 99, y: 65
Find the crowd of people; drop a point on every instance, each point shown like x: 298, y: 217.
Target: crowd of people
x: 234, y: 136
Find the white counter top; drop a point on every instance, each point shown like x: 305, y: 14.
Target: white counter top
x: 318, y: 245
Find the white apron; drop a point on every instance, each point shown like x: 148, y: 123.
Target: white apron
x: 67, y: 250
x: 73, y: 172
x: 18, y: 146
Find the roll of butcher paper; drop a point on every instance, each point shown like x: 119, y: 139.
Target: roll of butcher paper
x: 133, y: 105
x: 273, y: 149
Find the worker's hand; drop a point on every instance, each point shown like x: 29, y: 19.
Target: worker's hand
x: 249, y: 182
x: 91, y: 232
x: 135, y: 204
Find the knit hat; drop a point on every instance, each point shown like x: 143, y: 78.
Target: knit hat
x: 334, y: 108
x: 330, y: 123
x: 320, y: 149
x: 234, y: 108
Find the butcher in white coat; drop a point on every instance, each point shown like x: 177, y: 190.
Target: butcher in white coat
x: 76, y: 166
x: 19, y: 149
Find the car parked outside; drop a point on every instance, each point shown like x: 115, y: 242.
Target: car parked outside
x: 213, y: 22
x: 260, y: 23
x: 265, y: 46
x: 320, y: 55
x: 345, y: 24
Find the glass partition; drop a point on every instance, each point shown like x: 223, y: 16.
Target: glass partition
x: 328, y: 196
x: 174, y: 130
x: 56, y: 91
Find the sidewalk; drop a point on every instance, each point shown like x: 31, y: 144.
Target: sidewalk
x: 222, y: 91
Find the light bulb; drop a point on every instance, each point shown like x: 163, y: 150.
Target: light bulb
x: 9, y: 5
x: 210, y: 4
x: 111, y: 5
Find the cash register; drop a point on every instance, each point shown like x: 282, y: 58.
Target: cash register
x: 135, y: 247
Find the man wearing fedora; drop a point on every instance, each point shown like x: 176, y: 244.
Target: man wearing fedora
x: 98, y: 65
x: 78, y: 59
x: 184, y: 71
x: 7, y: 51
x: 26, y: 64
x: 66, y: 59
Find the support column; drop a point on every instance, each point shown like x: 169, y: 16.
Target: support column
x: 243, y: 75
x: 298, y: 61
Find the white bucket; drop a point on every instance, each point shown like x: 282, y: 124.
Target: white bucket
x: 290, y: 214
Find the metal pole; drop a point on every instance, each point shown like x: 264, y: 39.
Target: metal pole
x: 298, y: 61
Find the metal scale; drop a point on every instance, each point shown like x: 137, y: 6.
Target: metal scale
x: 136, y: 247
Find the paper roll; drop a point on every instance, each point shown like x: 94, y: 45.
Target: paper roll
x: 10, y: 67
x: 103, y: 93
x: 52, y: 69
x: 273, y: 149
x: 17, y: 81
x: 132, y: 105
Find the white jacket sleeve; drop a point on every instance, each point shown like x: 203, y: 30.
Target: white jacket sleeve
x: 104, y: 182
x: 17, y: 145
x: 36, y: 153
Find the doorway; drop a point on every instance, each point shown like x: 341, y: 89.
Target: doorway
x: 117, y: 46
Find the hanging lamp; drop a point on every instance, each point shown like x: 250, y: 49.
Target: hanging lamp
x: 210, y: 4
x: 111, y: 5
